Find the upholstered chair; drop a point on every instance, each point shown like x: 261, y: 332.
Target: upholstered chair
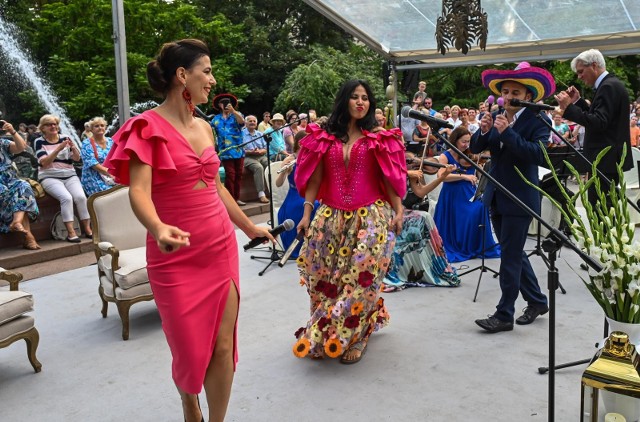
x: 119, y: 242
x: 14, y: 324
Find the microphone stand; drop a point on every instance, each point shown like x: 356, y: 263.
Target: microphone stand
x: 551, y: 245
x: 275, y: 254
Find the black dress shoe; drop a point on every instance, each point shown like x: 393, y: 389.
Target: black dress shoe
x: 494, y: 325
x: 531, y: 313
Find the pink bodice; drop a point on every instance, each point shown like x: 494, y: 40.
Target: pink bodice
x: 373, y: 158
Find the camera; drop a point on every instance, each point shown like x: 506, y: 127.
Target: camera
x: 2, y: 123
x: 225, y: 102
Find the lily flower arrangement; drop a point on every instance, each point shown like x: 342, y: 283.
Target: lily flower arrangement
x: 607, y: 236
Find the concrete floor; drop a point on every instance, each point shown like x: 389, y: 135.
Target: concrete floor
x: 432, y: 363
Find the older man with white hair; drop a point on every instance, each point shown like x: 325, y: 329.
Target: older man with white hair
x: 255, y: 159
x: 606, y: 120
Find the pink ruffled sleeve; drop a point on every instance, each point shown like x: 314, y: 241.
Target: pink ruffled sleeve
x: 146, y: 136
x: 312, y: 149
x: 390, y: 153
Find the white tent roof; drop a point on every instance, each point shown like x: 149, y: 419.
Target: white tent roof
x: 536, y: 30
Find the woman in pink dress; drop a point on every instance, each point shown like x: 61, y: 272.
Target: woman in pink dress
x: 359, y: 174
x: 167, y: 157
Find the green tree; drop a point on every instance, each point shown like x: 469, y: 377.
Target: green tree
x: 314, y: 85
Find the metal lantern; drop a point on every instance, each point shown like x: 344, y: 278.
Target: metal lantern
x: 614, y: 374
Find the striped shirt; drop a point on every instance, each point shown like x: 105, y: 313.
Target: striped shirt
x: 61, y: 167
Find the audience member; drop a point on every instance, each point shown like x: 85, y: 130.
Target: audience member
x: 18, y: 204
x: 255, y: 159
x: 94, y: 150
x: 56, y: 153
x: 290, y: 131
x: 228, y: 124
x: 277, y: 146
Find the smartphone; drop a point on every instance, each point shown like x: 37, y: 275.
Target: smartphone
x: 2, y: 123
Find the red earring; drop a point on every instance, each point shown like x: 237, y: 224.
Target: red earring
x: 186, y: 95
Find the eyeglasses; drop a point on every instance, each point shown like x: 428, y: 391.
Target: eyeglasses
x: 50, y: 124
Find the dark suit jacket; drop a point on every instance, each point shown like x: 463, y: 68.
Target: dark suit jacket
x: 520, y: 148
x: 606, y: 123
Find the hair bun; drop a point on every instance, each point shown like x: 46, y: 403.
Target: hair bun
x: 155, y: 76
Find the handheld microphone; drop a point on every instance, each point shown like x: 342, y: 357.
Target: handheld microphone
x: 291, y: 248
x: 433, y: 121
x: 537, y: 107
x: 500, y: 103
x: 286, y: 226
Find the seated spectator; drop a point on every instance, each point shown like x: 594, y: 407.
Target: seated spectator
x: 22, y: 130
x: 290, y: 131
x: 87, y: 131
x: 380, y: 118
x: 94, y: 150
x: 458, y: 219
x: 32, y: 134
x: 17, y: 202
x: 266, y: 121
x: 255, y: 159
x: 304, y: 120
x: 634, y: 131
x: 277, y: 147
x: 55, y: 153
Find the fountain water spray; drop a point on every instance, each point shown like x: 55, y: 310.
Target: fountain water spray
x: 25, y: 67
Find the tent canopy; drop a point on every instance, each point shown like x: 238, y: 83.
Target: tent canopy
x: 536, y: 30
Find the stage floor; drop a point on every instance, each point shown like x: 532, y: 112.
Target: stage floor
x: 432, y: 363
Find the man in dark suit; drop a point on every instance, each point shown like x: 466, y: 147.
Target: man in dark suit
x: 513, y: 137
x: 606, y: 121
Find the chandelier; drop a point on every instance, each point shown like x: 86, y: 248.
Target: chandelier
x: 462, y: 23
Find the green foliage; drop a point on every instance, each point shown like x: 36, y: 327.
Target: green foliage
x: 314, y: 85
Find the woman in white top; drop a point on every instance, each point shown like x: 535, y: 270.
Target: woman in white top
x: 56, y: 153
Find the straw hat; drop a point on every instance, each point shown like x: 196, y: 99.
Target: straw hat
x: 277, y: 116
x: 537, y: 80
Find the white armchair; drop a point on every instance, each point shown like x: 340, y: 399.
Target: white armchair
x: 14, y: 324
x: 119, y: 241
x: 278, y: 193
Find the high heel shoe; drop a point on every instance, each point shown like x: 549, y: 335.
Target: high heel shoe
x: 30, y: 242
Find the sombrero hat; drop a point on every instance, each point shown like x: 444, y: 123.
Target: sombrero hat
x: 537, y: 80
x: 217, y: 98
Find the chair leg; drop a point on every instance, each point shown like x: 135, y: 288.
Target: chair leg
x: 105, y: 304
x: 32, y: 338
x: 123, y: 310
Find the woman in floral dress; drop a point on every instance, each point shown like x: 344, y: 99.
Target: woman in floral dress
x: 94, y: 150
x: 360, y: 176
x: 17, y: 203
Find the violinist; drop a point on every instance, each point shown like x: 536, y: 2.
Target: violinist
x: 457, y: 217
x: 422, y: 136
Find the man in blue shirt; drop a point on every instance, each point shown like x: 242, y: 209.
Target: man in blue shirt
x: 228, y: 125
x: 255, y: 150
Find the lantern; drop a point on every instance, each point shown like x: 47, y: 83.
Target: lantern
x: 614, y: 375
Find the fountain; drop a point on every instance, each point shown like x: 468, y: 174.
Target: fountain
x: 24, y: 66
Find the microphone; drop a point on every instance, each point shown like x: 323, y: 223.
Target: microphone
x: 500, y: 103
x: 536, y: 107
x: 286, y: 226
x: 433, y: 121
x: 290, y: 249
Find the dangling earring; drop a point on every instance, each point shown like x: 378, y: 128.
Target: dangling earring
x: 186, y: 95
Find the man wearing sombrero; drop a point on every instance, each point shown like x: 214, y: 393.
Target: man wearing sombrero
x: 228, y: 126
x: 513, y: 137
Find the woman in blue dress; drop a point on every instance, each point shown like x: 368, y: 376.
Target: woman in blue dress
x: 457, y: 217
x: 293, y: 205
x: 95, y: 177
x: 17, y: 202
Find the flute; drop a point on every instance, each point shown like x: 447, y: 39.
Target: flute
x: 286, y: 167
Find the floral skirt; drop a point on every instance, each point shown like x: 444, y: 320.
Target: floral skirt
x: 342, y: 264
x: 15, y: 195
